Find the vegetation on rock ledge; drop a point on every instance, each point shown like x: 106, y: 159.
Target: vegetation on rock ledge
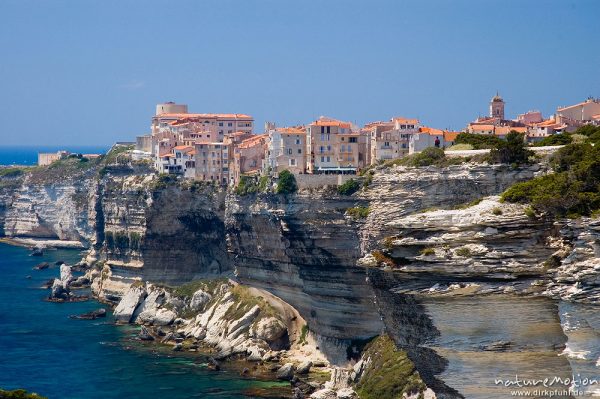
x: 573, y: 189
x: 19, y: 394
x: 287, y: 183
x: 349, y: 187
x: 389, y: 373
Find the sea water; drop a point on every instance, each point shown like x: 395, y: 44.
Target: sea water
x: 27, y: 155
x: 44, y: 351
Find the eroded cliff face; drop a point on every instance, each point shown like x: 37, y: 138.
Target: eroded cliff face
x: 53, y: 208
x: 303, y: 249
x: 9, y: 186
x: 162, y: 233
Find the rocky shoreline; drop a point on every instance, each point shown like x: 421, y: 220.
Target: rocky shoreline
x: 233, y: 326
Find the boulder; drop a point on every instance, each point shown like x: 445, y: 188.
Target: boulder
x: 66, y: 275
x: 199, y: 300
x: 94, y: 314
x: 157, y: 317
x: 177, y: 347
x: 42, y: 266
x: 304, y: 367
x: 58, y: 290
x: 164, y: 317
x: 324, y: 393
x: 80, y: 282
x: 133, y: 297
x: 145, y: 335
x: 346, y: 393
x: 37, y: 251
x: 269, y: 329
x: 285, y: 372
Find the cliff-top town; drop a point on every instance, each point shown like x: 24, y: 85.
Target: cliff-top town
x: 221, y: 148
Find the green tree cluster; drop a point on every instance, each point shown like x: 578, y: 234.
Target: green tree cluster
x: 286, y: 183
x: 478, y: 141
x: 512, y: 150
x: 573, y: 189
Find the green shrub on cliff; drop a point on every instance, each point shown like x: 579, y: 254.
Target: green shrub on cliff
x: 555, y: 139
x: 19, y: 394
x: 245, y: 301
x: 512, y: 150
x: 478, y: 141
x: 117, y: 154
x: 349, y: 187
x: 389, y: 374
x: 287, y: 183
x: 247, y: 185
x: 163, y: 181
x: 12, y: 172
x: 358, y: 212
x: 573, y: 189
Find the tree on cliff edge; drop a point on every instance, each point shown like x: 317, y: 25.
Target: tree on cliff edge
x: 513, y: 150
x: 287, y: 183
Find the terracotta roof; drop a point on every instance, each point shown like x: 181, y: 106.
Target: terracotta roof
x: 182, y: 147
x: 430, y: 131
x: 200, y: 116
x: 407, y: 121
x: 546, y: 123
x: 502, y: 130
x: 323, y: 121
x: 253, y: 141
x: 451, y: 136
x: 290, y: 130
x: 482, y: 127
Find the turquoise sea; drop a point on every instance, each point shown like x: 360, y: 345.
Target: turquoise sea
x: 27, y: 155
x: 44, y: 351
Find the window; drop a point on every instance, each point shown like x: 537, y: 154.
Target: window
x: 299, y: 150
x: 343, y: 148
x: 387, y: 144
x: 353, y: 139
x: 328, y: 159
x: 297, y: 141
x: 229, y: 124
x: 220, y: 123
x: 322, y: 149
x: 322, y: 136
x: 292, y: 162
x: 322, y: 159
x: 328, y: 148
x: 289, y: 151
x: 328, y: 130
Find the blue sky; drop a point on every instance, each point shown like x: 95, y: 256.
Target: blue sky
x: 90, y: 72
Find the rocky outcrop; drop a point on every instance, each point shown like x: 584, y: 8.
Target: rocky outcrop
x: 141, y: 218
x: 303, y: 249
x: 52, y: 208
x: 233, y: 322
x: 577, y: 277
